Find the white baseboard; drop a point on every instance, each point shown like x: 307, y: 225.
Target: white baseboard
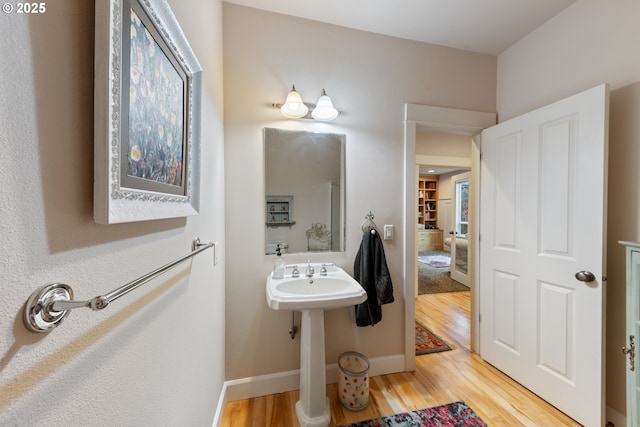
x: 615, y: 417
x: 262, y: 385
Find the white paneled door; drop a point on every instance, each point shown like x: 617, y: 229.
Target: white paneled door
x: 542, y: 220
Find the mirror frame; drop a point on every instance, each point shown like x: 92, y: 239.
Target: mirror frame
x: 308, y: 228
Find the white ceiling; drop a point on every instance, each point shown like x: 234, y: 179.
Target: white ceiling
x: 484, y: 26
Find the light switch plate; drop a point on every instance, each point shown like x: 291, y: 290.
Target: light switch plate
x: 388, y: 232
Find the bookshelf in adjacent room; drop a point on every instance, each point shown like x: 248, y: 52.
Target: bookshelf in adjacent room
x: 427, y: 201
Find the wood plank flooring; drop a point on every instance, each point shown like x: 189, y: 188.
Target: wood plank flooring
x: 439, y: 378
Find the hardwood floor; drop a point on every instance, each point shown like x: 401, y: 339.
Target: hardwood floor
x: 439, y: 378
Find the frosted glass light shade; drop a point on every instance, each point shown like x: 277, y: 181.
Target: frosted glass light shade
x: 324, y: 110
x: 293, y: 107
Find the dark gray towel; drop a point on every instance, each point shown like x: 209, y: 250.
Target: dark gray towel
x: 370, y: 270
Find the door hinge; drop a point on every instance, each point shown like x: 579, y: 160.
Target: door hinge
x: 631, y: 351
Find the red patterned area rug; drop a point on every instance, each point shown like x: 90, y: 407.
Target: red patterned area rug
x: 456, y: 414
x: 427, y: 342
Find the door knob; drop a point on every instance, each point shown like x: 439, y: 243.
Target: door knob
x: 585, y: 276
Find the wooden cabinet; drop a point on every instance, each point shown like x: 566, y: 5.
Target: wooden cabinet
x: 429, y: 240
x: 633, y: 332
x: 427, y: 201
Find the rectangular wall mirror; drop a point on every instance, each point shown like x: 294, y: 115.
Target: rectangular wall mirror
x: 304, y: 191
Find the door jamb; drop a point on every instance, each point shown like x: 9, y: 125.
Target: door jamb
x: 446, y: 120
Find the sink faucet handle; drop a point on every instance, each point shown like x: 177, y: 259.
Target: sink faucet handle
x: 323, y: 270
x: 295, y: 272
x: 309, y: 271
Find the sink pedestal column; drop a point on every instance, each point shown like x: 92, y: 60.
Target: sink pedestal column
x: 313, y: 408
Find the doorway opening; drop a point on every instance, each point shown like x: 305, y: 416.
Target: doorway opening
x: 442, y: 229
x: 447, y: 122
x: 442, y: 226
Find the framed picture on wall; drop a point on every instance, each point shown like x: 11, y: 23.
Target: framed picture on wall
x: 148, y: 96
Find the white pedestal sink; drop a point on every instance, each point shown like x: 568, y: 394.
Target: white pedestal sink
x: 311, y: 296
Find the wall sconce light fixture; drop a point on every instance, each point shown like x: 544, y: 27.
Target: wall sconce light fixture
x: 324, y: 110
x: 295, y: 108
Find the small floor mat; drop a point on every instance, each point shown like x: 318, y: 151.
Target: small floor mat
x: 435, y: 261
x: 428, y: 342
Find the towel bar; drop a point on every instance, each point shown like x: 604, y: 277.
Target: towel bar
x: 48, y: 305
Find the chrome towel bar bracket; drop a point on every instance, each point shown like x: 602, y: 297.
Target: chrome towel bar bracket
x: 50, y: 304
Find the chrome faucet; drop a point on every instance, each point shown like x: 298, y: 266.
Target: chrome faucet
x: 323, y: 270
x: 309, y: 272
x: 295, y: 272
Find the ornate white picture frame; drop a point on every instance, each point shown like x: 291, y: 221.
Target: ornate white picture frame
x: 147, y: 101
